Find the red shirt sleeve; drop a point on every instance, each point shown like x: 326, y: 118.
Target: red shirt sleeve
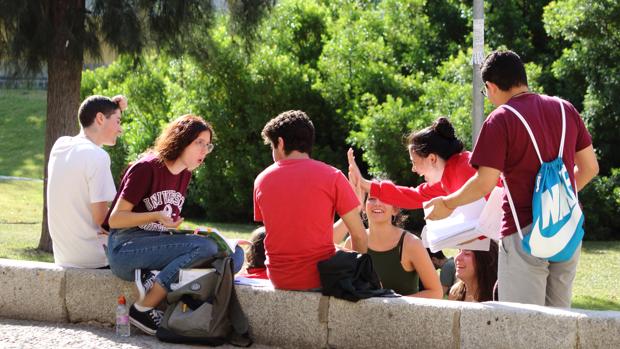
x: 405, y: 197
x: 137, y: 182
x: 457, y: 172
x: 258, y: 216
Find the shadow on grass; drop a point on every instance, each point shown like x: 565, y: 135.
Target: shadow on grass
x: 595, y: 303
x: 600, y: 247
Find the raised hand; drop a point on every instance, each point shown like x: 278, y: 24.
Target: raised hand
x: 355, y: 176
x: 121, y: 101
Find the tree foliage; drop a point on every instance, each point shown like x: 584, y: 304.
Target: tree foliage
x: 593, y: 30
x: 57, y: 34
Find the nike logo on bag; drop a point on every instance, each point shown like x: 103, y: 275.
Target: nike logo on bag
x: 546, y: 247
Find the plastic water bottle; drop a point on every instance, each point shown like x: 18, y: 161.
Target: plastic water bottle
x: 122, y: 318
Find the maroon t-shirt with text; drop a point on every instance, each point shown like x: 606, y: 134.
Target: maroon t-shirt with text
x: 504, y: 144
x: 150, y: 186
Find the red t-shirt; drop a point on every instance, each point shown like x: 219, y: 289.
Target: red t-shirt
x: 505, y: 145
x: 296, y: 200
x: 150, y: 186
x: 256, y: 273
x: 456, y: 172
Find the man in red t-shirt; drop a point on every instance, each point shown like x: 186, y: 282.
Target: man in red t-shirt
x: 296, y: 199
x: 504, y: 146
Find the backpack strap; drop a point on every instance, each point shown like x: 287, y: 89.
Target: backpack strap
x: 512, y: 207
x: 529, y: 131
x: 400, y: 244
x: 563, y: 129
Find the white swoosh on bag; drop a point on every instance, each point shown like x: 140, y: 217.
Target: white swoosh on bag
x: 546, y: 247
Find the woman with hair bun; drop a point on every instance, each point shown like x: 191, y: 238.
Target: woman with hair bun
x: 437, y: 155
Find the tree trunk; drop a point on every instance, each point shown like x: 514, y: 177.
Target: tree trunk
x: 64, y: 71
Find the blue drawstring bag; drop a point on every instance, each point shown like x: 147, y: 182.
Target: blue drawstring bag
x: 557, y: 224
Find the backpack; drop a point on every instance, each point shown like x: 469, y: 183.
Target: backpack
x: 206, y: 311
x: 557, y: 224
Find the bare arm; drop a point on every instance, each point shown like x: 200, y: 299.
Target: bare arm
x: 123, y: 217
x: 340, y: 230
x: 99, y: 210
x: 359, y: 239
x: 355, y: 176
x: 416, y: 255
x: 475, y: 188
x: 586, y: 167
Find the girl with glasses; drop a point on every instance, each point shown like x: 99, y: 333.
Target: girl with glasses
x: 148, y: 204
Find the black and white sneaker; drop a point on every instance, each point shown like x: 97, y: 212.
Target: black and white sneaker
x: 147, y: 321
x: 144, y: 282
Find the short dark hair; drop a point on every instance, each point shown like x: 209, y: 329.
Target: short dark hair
x: 93, y: 105
x: 439, y: 138
x: 295, y: 128
x: 256, y: 254
x: 505, y: 69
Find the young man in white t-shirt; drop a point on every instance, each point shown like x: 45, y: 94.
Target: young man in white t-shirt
x: 80, y: 184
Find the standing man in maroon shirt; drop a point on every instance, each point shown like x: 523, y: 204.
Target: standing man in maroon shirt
x: 504, y: 146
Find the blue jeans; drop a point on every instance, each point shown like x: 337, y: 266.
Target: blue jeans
x: 135, y: 248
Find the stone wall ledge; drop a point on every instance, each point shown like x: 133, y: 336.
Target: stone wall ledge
x: 44, y: 291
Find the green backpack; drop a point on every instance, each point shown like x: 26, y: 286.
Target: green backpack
x: 206, y: 311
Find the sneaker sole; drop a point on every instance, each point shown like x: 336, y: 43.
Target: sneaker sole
x: 139, y: 286
x: 143, y: 328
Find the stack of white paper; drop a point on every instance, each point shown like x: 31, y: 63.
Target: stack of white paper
x: 464, y: 228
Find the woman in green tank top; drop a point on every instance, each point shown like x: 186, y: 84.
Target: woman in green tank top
x: 398, y: 256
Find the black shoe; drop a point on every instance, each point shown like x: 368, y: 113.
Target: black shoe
x: 144, y: 282
x: 147, y: 321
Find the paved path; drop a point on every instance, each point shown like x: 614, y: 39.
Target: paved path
x: 35, y: 334
x: 11, y: 178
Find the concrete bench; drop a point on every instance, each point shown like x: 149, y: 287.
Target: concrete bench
x: 43, y: 291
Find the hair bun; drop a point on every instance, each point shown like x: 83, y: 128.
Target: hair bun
x: 444, y: 128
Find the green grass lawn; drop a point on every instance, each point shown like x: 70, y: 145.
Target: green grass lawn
x: 22, y: 130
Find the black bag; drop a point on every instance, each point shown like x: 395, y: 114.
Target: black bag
x: 206, y: 311
x: 351, y: 276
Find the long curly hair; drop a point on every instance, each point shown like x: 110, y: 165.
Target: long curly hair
x: 180, y: 133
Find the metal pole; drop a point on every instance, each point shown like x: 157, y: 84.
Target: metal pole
x: 477, y: 58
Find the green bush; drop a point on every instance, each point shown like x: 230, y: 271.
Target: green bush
x: 367, y: 72
x: 600, y: 201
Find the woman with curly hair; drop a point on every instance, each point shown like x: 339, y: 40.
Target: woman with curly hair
x: 147, y: 205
